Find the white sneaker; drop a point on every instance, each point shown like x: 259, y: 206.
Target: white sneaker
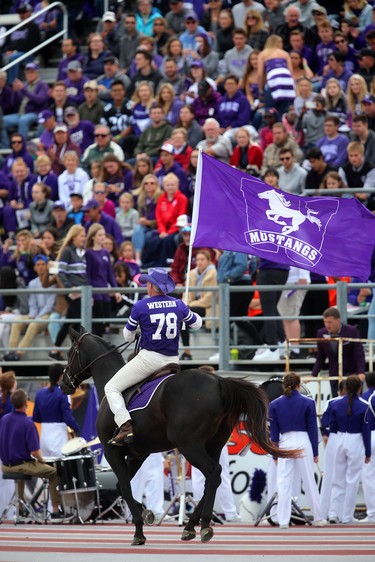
x: 261, y: 350
x: 334, y: 520
x: 268, y: 355
x: 233, y: 518
x: 214, y: 357
x: 320, y: 523
x: 283, y: 526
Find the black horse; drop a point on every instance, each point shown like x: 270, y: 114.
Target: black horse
x: 194, y: 412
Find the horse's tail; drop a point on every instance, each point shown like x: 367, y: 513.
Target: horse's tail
x: 245, y: 401
x: 310, y: 216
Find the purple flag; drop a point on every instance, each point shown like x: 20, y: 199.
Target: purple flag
x: 234, y: 211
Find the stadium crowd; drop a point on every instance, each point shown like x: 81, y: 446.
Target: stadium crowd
x: 99, y: 166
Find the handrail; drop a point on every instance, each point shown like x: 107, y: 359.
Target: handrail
x: 63, y: 33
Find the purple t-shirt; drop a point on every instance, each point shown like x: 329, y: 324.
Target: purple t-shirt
x: 18, y: 437
x: 160, y: 319
x: 82, y: 134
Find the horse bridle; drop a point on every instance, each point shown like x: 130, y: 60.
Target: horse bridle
x: 73, y: 379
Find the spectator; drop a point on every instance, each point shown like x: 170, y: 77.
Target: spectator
x: 118, y: 117
x: 126, y: 216
x: 71, y: 53
x: 247, y: 156
x: 145, y: 17
x: 207, y: 102
x: 325, y: 48
x: 291, y: 175
x: 305, y: 95
x: 73, y: 179
x: 19, y: 150
x: 8, y: 384
x: 337, y: 69
x: 155, y: 135
x: 273, y: 14
x: 110, y: 32
x: 61, y: 222
x: 366, y: 61
x: 15, y: 214
x: 281, y: 140
x: 161, y: 34
x: 234, y: 109
x: 40, y: 209
x: 363, y: 134
x: 182, y: 150
x: 319, y: 168
x: 95, y: 215
x: 196, y: 75
x: 142, y: 101
x: 127, y: 256
x: 75, y: 83
x: 148, y: 196
x: 190, y: 124
x: 354, y: 172
x: 47, y: 119
x: 206, y: 54
x: 59, y: 96
x: 369, y: 109
x: 297, y: 43
x: 176, y: 16
x: 20, y: 259
x: 99, y: 275
x: 60, y: 146
x: 76, y: 205
x: 129, y: 42
x: 112, y: 73
x: 8, y: 102
x: 31, y: 97
x: 118, y: 176
x: 254, y: 27
x: 214, y: 144
x: 174, y: 50
x: 265, y: 133
x: 347, y: 51
x: 170, y: 205
x: 93, y: 65
x: 360, y: 10
x: 21, y: 41
x: 43, y: 169
x: 40, y: 306
x: 92, y: 108
x: 188, y: 37
x: 241, y: 9
x: 311, y: 121
x: 102, y: 146
x: 292, y: 22
x: 336, y: 100
x: 355, y: 93
x: 332, y: 180
x: 333, y: 144
x: 234, y: 61
x: 224, y: 33
x: 172, y: 76
x: 144, y: 71
x: 100, y: 192
x: 143, y: 166
x: 170, y: 104
x: 81, y: 132
x: 168, y: 166
x: 180, y: 258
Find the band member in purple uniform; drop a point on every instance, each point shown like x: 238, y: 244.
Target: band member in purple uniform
x: 159, y: 317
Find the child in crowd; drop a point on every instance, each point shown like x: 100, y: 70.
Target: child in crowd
x: 127, y: 255
x: 126, y: 216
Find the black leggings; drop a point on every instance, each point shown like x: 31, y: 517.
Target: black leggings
x: 101, y: 309
x: 74, y: 311
x: 185, y: 334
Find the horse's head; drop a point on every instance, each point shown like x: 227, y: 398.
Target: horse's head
x: 265, y: 194
x: 74, y: 373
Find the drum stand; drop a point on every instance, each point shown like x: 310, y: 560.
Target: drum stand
x: 297, y: 512
x: 179, y: 498
x: 119, y: 509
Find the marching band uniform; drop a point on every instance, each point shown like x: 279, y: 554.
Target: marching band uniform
x: 329, y: 457
x: 149, y: 481
x: 353, y: 445
x: 293, y: 426
x: 52, y: 410
x: 368, y: 470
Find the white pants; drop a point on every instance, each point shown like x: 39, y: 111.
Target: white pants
x: 368, y: 481
x: 224, y: 492
x: 149, y: 482
x: 350, y: 458
x: 52, y: 438
x: 138, y: 369
x: 286, y: 475
x: 329, y: 463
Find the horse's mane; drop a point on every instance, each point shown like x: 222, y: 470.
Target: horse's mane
x: 282, y: 199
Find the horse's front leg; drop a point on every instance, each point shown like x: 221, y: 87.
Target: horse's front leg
x: 189, y: 532
x: 116, y: 458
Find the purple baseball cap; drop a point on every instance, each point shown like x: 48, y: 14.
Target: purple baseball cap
x: 32, y: 66
x: 197, y: 63
x: 159, y: 277
x: 91, y: 204
x: 44, y: 115
x: 59, y: 205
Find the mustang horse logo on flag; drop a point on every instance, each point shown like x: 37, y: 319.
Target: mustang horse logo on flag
x: 289, y: 215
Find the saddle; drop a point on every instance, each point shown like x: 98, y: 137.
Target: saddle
x: 170, y: 368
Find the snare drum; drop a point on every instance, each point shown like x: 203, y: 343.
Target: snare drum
x: 76, y: 474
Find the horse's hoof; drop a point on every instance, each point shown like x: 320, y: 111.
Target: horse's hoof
x: 148, y: 517
x: 207, y: 534
x: 188, y: 535
x: 138, y: 541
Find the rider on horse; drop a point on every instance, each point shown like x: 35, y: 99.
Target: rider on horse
x: 159, y: 317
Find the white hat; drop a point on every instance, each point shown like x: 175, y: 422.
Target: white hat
x: 168, y: 147
x: 183, y: 220
x: 109, y: 16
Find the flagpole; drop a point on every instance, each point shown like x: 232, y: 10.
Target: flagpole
x: 193, y: 222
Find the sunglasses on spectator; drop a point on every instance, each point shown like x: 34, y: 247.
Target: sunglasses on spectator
x: 101, y: 135
x: 16, y: 142
x: 99, y: 192
x: 285, y: 158
x: 338, y: 41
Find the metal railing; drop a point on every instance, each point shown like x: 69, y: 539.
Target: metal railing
x: 63, y: 33
x: 220, y: 330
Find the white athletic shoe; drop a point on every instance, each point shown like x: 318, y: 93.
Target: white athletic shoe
x: 233, y: 518
x: 320, y: 523
x: 214, y: 357
x: 283, y: 526
x: 268, y: 355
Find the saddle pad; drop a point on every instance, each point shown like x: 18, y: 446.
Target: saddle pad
x: 141, y: 400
